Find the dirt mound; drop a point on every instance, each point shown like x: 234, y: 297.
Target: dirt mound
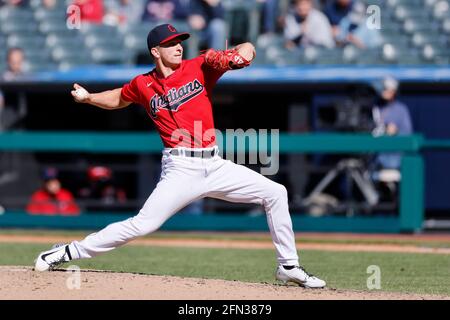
x: 18, y: 282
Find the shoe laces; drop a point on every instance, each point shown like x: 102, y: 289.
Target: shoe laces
x: 307, y: 273
x: 57, y: 260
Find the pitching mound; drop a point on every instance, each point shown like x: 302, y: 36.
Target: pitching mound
x: 19, y: 282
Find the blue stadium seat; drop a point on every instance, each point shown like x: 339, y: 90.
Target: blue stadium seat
x: 411, y: 26
x: 350, y: 54
x: 107, y: 56
x: 420, y: 39
x: 56, y: 39
x: 95, y: 40
x: 446, y: 26
x: 40, y: 66
x: 436, y: 54
x: 282, y: 57
x: 440, y: 9
x: 135, y: 43
x: 60, y: 53
x: 18, y: 27
x: 26, y: 42
x: 42, y: 14
x: 11, y: 14
x: 52, y: 25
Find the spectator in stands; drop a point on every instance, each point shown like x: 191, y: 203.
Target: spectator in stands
x: 15, y: 64
x: 348, y: 21
x: 165, y: 10
x: 102, y: 191
x: 307, y: 26
x: 49, y: 4
x: 15, y: 3
x: 207, y: 17
x: 269, y: 14
x: 391, y: 118
x: 92, y: 11
x: 121, y: 12
x: 52, y: 199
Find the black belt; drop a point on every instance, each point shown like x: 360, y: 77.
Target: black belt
x: 194, y: 153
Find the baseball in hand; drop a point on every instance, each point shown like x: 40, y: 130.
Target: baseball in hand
x: 81, y: 94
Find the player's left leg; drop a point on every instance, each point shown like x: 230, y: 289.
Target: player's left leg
x: 236, y: 183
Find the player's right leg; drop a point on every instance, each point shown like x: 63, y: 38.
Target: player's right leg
x: 180, y: 185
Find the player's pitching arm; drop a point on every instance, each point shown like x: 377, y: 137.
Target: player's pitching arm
x: 110, y: 99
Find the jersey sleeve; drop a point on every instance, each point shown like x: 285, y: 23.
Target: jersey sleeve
x: 131, y: 92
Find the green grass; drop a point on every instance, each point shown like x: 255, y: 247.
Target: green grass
x: 263, y: 236
x: 400, y: 272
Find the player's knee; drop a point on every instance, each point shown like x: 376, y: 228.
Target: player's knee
x: 279, y: 192
x: 144, y: 227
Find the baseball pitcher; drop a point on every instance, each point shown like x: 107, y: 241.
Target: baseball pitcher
x: 177, y: 96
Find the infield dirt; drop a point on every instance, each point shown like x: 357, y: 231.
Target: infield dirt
x: 18, y: 283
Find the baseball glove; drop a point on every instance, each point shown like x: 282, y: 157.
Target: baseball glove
x: 224, y: 60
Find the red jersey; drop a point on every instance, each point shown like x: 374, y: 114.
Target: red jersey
x: 179, y: 105
x: 91, y: 10
x: 62, y: 203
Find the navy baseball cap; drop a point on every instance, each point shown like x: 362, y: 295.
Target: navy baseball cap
x: 49, y: 173
x: 164, y: 33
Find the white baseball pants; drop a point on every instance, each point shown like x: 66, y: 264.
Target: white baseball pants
x: 186, y: 179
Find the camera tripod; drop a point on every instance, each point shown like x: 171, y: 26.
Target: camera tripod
x: 354, y: 168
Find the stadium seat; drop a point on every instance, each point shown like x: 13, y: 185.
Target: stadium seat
x: 420, y: 39
x: 95, y: 40
x: 397, y: 38
x: 40, y: 66
x: 36, y: 57
x: 98, y: 29
x: 52, y: 25
x: 243, y: 19
x: 402, y: 13
x: 370, y: 57
x: 135, y: 43
x: 411, y: 26
x: 75, y: 61
x: 389, y: 27
x: 140, y: 29
x: 446, y: 26
x: 400, y: 55
x: 436, y: 54
x: 60, y: 53
x: 107, y: 56
x: 26, y: 42
x: 10, y: 14
x: 42, y: 14
x: 2, y: 66
x: 55, y: 39
x: 413, y: 3
x: 441, y: 9
x: 18, y: 27
x: 330, y: 56
x: 59, y: 4
x: 350, y: 54
x: 280, y: 56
